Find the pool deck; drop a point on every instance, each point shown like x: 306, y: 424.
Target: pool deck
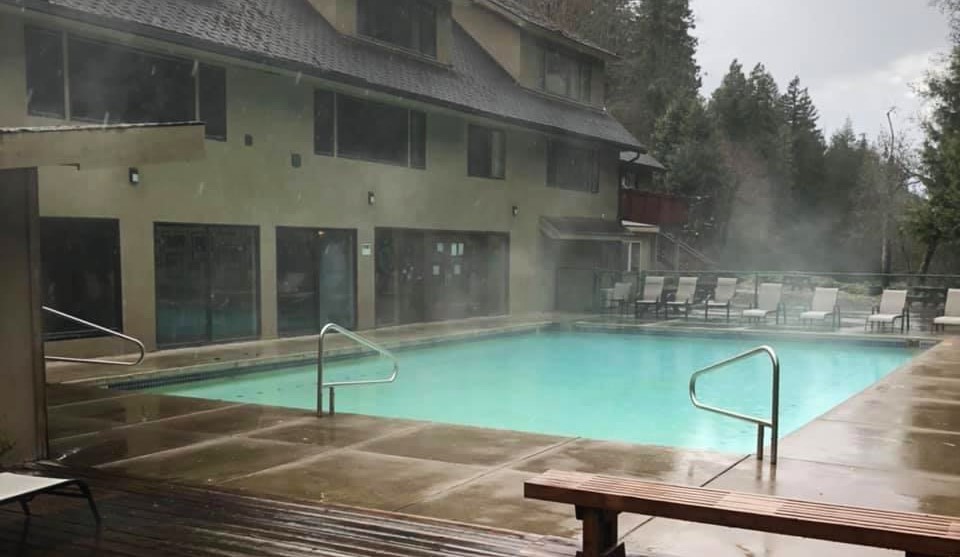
x: 894, y: 446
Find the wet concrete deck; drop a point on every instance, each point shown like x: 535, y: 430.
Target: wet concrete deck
x: 893, y: 446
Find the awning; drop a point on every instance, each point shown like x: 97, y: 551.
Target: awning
x: 643, y: 159
x: 593, y: 229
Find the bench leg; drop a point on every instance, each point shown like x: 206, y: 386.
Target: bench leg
x: 599, y: 533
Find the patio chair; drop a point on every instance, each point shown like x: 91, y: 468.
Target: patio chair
x: 650, y: 296
x: 893, y: 306
x: 951, y: 311
x: 619, y: 295
x: 824, y: 305
x: 722, y: 297
x: 683, y: 298
x: 22, y: 488
x: 768, y: 301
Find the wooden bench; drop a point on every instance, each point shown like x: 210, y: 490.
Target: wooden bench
x: 599, y: 499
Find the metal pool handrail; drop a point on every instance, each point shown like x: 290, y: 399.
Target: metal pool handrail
x: 333, y: 327
x: 773, y: 423
x: 75, y: 319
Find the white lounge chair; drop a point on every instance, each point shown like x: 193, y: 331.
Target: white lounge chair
x: 683, y: 298
x: 650, y: 296
x: 768, y: 301
x: 722, y: 297
x: 824, y: 305
x: 22, y: 488
x: 951, y: 311
x: 619, y: 295
x: 893, y: 306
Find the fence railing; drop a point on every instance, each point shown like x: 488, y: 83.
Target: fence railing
x: 581, y: 289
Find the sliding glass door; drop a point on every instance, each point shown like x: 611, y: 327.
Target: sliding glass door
x: 316, y: 279
x: 207, y: 283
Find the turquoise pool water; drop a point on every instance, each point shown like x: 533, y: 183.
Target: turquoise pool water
x: 630, y: 388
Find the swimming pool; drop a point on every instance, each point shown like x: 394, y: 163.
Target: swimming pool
x: 620, y: 387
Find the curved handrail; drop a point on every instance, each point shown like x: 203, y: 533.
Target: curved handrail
x: 75, y: 319
x: 333, y: 327
x: 773, y: 423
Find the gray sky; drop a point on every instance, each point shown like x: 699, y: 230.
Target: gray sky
x: 857, y: 57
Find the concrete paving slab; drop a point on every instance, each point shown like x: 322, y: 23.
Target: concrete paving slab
x: 60, y: 425
x: 339, y: 430
x: 497, y: 500
x: 214, y: 463
x: 666, y: 464
x: 902, y: 450
x: 66, y: 394
x: 359, y: 478
x: 236, y: 419
x: 663, y: 538
x: 120, y: 444
x: 136, y: 409
x: 465, y: 445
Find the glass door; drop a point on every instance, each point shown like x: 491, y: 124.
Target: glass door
x: 207, y: 283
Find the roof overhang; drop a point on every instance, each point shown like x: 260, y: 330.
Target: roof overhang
x: 641, y: 159
x: 101, y: 146
x: 595, y: 230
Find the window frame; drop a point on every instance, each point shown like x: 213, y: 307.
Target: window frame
x: 581, y: 82
x: 414, y: 34
x: 63, y: 99
x: 199, y: 83
x: 115, y: 261
x: 491, y: 153
x: 551, y: 174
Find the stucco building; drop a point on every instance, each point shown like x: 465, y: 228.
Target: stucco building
x: 367, y: 162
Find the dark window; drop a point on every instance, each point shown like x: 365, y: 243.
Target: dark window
x: 81, y: 274
x: 324, y: 119
x: 410, y: 24
x: 418, y: 139
x: 486, y: 152
x: 213, y: 100
x: 113, y: 84
x: 571, y: 167
x: 44, y: 55
x: 565, y: 74
x: 372, y: 131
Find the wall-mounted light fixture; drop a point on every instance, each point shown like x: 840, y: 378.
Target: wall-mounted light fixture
x: 516, y: 210
x: 134, y: 176
x: 371, y: 198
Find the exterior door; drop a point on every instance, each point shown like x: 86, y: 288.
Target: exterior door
x: 207, y: 283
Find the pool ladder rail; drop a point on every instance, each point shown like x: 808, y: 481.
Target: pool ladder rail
x: 140, y: 347
x: 773, y: 422
x: 359, y: 339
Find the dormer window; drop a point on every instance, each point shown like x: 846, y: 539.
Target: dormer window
x: 566, y: 75
x: 409, y: 24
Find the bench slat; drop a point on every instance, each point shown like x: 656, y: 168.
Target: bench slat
x: 911, y: 532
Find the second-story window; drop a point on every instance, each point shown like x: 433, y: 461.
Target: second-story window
x: 354, y: 128
x: 410, y: 24
x: 566, y: 74
x: 212, y: 93
x: 44, y: 57
x: 572, y: 167
x: 486, y: 152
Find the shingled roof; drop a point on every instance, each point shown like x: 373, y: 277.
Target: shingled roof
x: 524, y: 12
x: 291, y: 34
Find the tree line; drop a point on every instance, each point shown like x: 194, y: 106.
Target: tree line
x: 766, y: 188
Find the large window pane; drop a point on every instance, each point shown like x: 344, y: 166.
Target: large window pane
x: 572, y: 167
x: 485, y: 152
x: 81, y: 274
x: 324, y: 119
x: 213, y: 100
x: 44, y: 58
x: 566, y: 75
x: 409, y: 24
x: 113, y: 84
x: 372, y: 131
x: 418, y: 139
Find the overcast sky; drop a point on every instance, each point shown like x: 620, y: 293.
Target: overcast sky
x: 857, y: 57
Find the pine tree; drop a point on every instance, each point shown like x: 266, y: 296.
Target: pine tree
x: 730, y: 104
x: 804, y: 148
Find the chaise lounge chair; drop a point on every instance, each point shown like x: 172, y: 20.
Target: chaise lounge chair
x: 683, y: 298
x: 722, y: 297
x: 951, y: 311
x: 824, y: 305
x: 893, y: 306
x: 619, y: 295
x: 22, y: 488
x: 768, y: 302
x: 652, y: 292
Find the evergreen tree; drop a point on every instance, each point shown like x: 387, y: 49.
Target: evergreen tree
x: 730, y: 104
x: 804, y: 147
